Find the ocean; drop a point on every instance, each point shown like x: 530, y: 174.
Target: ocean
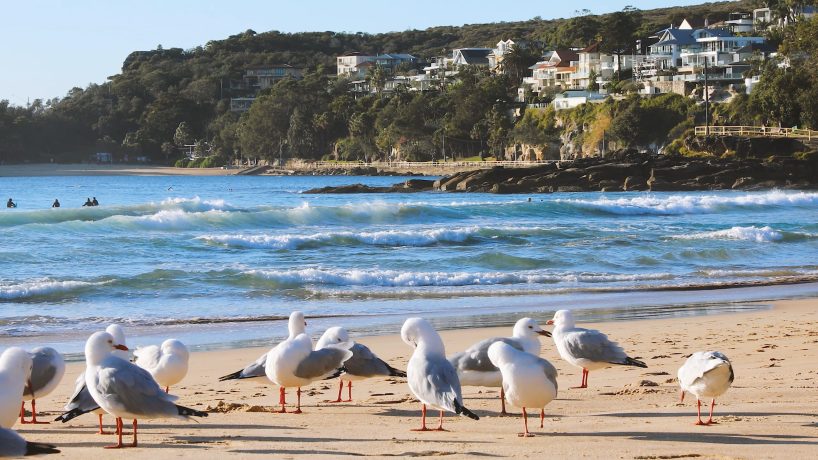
x: 221, y: 261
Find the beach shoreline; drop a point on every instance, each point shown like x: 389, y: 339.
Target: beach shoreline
x: 91, y: 169
x: 625, y: 412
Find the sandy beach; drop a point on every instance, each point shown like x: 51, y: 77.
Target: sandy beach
x: 90, y: 169
x: 771, y: 411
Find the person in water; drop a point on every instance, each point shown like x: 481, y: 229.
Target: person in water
x: 94, y: 202
x: 56, y: 203
x: 88, y: 202
x: 11, y: 204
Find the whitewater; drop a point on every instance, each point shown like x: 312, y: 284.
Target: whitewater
x: 219, y: 261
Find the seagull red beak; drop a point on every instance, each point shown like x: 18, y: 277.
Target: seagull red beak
x: 544, y: 332
x: 121, y: 347
x: 550, y: 322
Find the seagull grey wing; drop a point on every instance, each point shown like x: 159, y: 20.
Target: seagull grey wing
x: 321, y: 363
x: 476, y: 357
x: 549, y: 370
x: 256, y: 369
x: 43, y: 371
x: 134, y: 389
x: 82, y: 400
x: 594, y: 346
x: 443, y: 384
x: 364, y: 363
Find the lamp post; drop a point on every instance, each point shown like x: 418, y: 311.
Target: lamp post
x: 706, y: 100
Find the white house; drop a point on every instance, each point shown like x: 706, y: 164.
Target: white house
x: 575, y: 98
x: 350, y: 64
x: 554, y: 71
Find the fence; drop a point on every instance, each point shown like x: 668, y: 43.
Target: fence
x: 410, y: 165
x: 757, y: 131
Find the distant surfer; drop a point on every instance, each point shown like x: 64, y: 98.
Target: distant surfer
x: 56, y: 203
x: 94, y: 202
x: 11, y: 204
x: 88, y: 202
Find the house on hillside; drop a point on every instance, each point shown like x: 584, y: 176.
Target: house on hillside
x: 574, y: 98
x: 478, y: 57
x: 591, y: 62
x: 554, y: 71
x: 259, y: 78
x: 350, y: 65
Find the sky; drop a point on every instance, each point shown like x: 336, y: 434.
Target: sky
x: 48, y: 47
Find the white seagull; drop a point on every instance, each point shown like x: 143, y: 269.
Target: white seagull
x: 256, y: 370
x: 46, y: 374
x: 294, y: 363
x: 705, y: 374
x: 364, y: 363
x: 125, y: 390
x: 587, y: 348
x: 81, y: 401
x: 528, y: 380
x: 13, y: 445
x: 15, y: 369
x: 167, y: 364
x: 474, y: 367
x: 432, y: 378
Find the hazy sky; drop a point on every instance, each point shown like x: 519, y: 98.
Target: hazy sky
x: 49, y: 46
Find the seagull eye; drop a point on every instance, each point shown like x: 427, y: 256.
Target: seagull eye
x: 531, y: 327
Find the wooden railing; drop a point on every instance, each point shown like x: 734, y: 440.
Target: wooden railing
x: 757, y: 131
x: 415, y: 164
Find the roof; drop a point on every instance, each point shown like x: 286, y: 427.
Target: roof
x: 355, y: 53
x: 475, y: 55
x: 565, y: 57
x: 593, y: 48
x: 398, y: 56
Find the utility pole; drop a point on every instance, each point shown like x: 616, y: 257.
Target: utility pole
x: 706, y: 100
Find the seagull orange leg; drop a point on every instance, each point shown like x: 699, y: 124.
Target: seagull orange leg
x: 542, y: 418
x: 282, y: 399
x: 710, y: 420
x: 503, y: 402
x: 440, y: 423
x: 118, y: 445
x: 298, y: 406
x: 422, y: 419
x: 699, y: 412
x: 349, y: 390
x: 525, y: 434
x: 102, y: 427
x: 584, y: 383
x: 134, y: 444
x: 34, y: 414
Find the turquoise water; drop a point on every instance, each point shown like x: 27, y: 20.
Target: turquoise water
x: 218, y: 261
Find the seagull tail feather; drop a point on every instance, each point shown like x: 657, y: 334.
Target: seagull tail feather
x: 395, y: 372
x: 234, y: 376
x: 461, y: 410
x: 188, y: 412
x: 72, y: 414
x: 38, y: 448
x: 635, y: 362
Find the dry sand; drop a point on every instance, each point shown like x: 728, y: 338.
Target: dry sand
x: 771, y: 411
x: 90, y: 169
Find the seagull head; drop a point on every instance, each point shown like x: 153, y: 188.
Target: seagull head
x: 297, y: 324
x: 175, y: 347
x: 19, y: 363
x: 527, y: 327
x: 562, y: 318
x: 99, y: 346
x: 117, y: 333
x: 418, y: 333
x: 332, y: 336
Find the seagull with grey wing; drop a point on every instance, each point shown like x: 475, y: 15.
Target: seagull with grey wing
x: 474, y: 368
x: 588, y: 349
x: 431, y: 377
x: 362, y: 365
x: 124, y: 389
x: 47, y: 371
x: 706, y: 374
x: 13, y: 445
x: 294, y: 363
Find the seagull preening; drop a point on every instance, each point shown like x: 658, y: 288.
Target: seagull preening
x: 432, y: 378
x: 257, y: 369
x: 167, y: 364
x: 362, y: 365
x: 588, y: 349
x: 47, y: 371
x: 13, y: 445
x: 528, y: 380
x: 81, y: 401
x: 15, y: 369
x: 705, y: 374
x: 474, y: 367
x: 125, y: 390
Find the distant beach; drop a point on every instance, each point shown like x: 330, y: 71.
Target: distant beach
x: 91, y: 169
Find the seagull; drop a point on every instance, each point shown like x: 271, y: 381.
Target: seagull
x: 15, y: 369
x: 168, y: 364
x: 432, y: 378
x: 293, y: 363
x: 81, y: 401
x: 528, y: 380
x: 474, y: 367
x: 46, y: 373
x: 125, y: 390
x: 706, y: 374
x: 587, y: 348
x: 13, y: 445
x: 364, y: 363
x: 256, y: 370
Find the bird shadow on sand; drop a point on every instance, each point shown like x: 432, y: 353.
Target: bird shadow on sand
x: 356, y: 454
x: 433, y: 414
x: 703, y: 437
x: 148, y: 445
x: 692, y: 413
x: 209, y: 426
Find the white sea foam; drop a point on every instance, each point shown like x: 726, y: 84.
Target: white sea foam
x: 693, y: 203
x: 394, y: 278
x: 40, y: 288
x: 757, y: 234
